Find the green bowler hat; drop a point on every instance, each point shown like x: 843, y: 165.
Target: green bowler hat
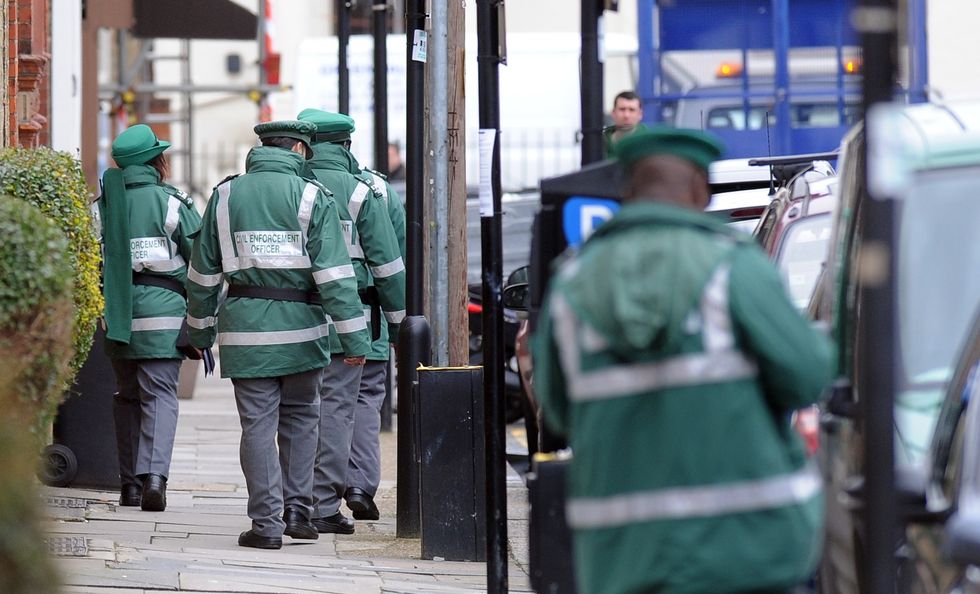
x: 330, y: 126
x: 302, y: 131
x: 700, y: 148
x: 137, y: 145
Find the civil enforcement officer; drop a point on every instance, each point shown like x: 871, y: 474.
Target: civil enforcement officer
x: 375, y: 254
x: 276, y: 239
x: 671, y: 356
x: 364, y: 469
x: 147, y: 228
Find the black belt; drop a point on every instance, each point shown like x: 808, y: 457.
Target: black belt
x: 163, y: 282
x: 372, y: 299
x: 275, y: 293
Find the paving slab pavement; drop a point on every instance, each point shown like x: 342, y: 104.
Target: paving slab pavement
x: 192, y: 546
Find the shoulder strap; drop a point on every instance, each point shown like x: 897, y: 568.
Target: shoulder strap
x: 317, y: 183
x: 178, y: 194
x: 226, y: 180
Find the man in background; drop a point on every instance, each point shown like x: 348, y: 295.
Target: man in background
x: 627, y: 116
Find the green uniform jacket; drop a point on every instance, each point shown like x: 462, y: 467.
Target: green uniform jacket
x: 671, y: 356
x: 273, y: 228
x: 371, y: 240
x: 607, y: 137
x: 162, y: 225
x: 396, y: 212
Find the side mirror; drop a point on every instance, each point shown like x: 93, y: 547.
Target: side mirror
x: 517, y: 297
x: 962, y: 543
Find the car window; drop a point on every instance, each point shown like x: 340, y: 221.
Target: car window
x: 802, y: 254
x: 938, y: 289
x: 757, y: 117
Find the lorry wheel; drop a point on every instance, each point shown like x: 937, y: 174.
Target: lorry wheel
x: 58, y: 466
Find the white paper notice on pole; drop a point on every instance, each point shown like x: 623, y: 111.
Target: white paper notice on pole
x: 420, y: 45
x: 487, y: 138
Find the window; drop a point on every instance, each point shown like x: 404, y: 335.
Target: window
x: 362, y: 16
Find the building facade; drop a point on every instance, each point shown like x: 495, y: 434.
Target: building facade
x: 26, y: 56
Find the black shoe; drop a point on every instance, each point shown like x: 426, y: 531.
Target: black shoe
x: 154, y: 493
x: 335, y: 524
x: 251, y: 539
x: 130, y: 495
x: 297, y: 524
x: 361, y: 504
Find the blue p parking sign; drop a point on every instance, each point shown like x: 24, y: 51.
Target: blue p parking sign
x: 582, y: 215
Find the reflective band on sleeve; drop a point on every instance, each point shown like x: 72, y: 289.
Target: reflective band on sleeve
x: 351, y: 325
x: 390, y: 269
x: 272, y: 338
x: 306, y: 209
x: 717, y: 331
x: 356, y: 200
x: 692, y: 502
x: 380, y: 186
x: 229, y: 261
x: 332, y: 274
x: 395, y: 317
x: 201, y: 323
x: 142, y: 324
x: 205, y: 280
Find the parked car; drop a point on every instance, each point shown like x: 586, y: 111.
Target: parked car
x: 936, y: 190
x: 943, y: 531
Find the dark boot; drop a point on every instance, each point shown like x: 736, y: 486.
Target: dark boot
x: 335, y: 524
x: 298, y: 525
x: 362, y: 504
x: 251, y: 539
x: 130, y: 495
x: 154, y: 493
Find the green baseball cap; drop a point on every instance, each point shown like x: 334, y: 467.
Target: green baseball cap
x: 330, y: 126
x: 700, y: 148
x: 137, y: 145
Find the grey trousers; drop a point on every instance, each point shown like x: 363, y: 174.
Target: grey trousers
x: 281, y: 410
x: 364, y: 469
x: 145, y: 413
x: 338, y: 395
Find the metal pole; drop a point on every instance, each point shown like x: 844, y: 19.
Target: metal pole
x: 411, y: 334
x: 188, y: 116
x: 380, y: 8
x: 343, y: 71
x: 876, y: 21
x: 488, y: 59
x: 780, y: 49
x: 263, y: 56
x: 648, y: 82
x: 590, y: 87
x: 917, y: 42
x: 437, y: 158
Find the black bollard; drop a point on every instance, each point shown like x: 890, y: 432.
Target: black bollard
x: 414, y: 349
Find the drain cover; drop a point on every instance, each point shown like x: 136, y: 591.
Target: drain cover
x: 68, y: 546
x: 66, y: 502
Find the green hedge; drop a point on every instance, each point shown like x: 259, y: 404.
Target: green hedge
x: 35, y: 310
x: 54, y: 182
x: 35, y: 350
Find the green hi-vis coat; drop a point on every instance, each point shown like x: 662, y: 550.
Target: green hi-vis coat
x: 162, y: 225
x: 671, y: 356
x: 371, y: 240
x: 380, y: 349
x: 272, y: 228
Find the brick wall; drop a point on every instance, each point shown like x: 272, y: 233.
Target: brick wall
x: 28, y: 84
